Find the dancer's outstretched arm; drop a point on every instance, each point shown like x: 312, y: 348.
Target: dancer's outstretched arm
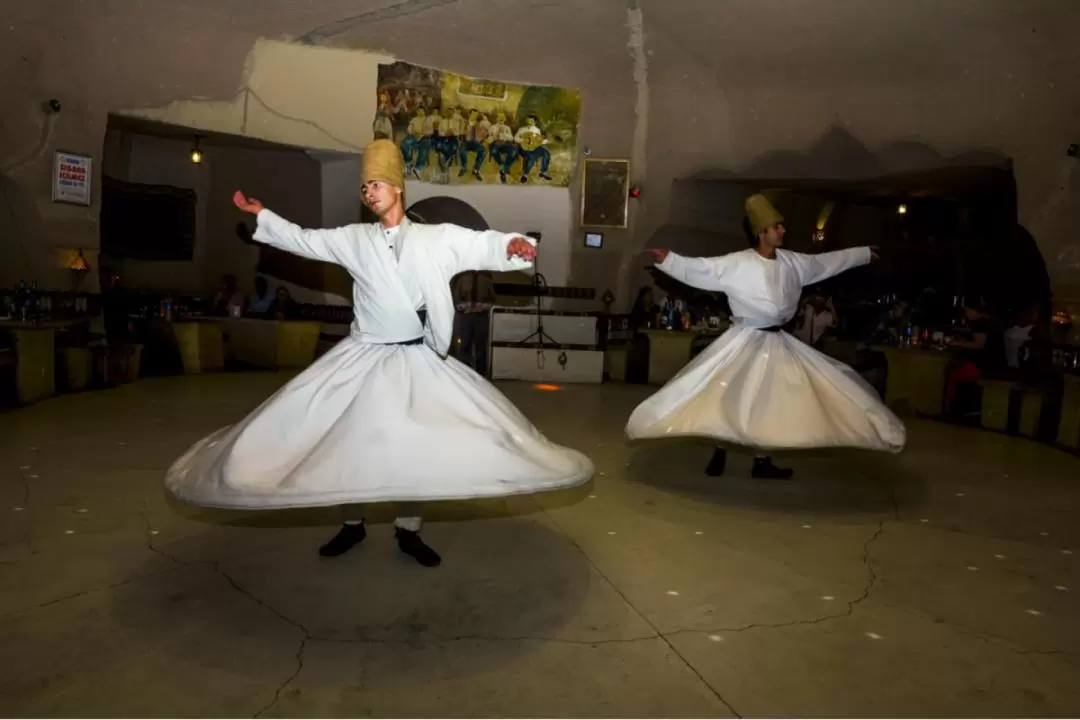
x: 701, y: 273
x: 815, y: 268
x: 278, y: 232
x: 487, y: 250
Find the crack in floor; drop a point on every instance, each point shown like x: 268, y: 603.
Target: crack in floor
x: 983, y: 635
x: 216, y: 567
x: 84, y: 593
x: 851, y: 604
x: 660, y: 635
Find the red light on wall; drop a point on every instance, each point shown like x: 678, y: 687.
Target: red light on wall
x: 635, y: 192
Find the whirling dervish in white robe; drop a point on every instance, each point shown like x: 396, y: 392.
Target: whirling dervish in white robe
x: 756, y: 385
x: 386, y: 415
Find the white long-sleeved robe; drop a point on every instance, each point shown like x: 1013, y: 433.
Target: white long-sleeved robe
x: 765, y: 389
x: 372, y: 420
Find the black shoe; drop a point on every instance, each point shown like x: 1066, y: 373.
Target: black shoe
x: 348, y: 537
x: 765, y: 470
x: 524, y: 179
x: 545, y: 176
x: 502, y: 177
x: 718, y: 463
x: 411, y: 544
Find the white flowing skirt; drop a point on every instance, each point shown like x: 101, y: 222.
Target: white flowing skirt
x: 769, y: 390
x: 375, y: 423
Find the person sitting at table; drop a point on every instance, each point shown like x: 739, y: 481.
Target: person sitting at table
x: 981, y: 352
x: 891, y: 328
x: 259, y: 303
x: 644, y: 314
x: 645, y: 310
x: 283, y: 307
x: 228, y: 300
x: 1025, y: 328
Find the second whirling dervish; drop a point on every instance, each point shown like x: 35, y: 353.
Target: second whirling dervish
x: 757, y: 386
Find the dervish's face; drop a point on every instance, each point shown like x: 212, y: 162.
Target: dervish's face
x: 380, y: 197
x: 773, y: 237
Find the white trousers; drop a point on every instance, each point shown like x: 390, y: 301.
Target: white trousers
x: 409, y: 519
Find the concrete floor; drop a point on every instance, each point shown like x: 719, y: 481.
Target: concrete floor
x: 939, y: 582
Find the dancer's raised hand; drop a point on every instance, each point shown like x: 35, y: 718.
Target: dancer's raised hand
x: 874, y: 255
x: 522, y: 248
x: 248, y: 205
x: 659, y: 255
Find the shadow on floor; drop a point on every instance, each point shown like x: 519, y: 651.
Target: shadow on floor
x: 826, y: 481
x: 258, y: 603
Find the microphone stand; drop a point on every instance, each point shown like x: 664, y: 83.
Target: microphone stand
x: 539, y: 336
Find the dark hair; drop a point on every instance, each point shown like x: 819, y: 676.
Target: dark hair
x: 260, y: 282
x: 749, y: 232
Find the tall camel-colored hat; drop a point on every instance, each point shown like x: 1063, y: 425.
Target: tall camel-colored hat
x: 762, y: 214
x: 382, y: 161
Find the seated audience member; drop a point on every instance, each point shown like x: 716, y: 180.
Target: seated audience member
x: 283, y: 307
x: 891, y: 328
x: 1024, y: 329
x: 645, y: 310
x: 228, y: 300
x: 259, y: 303
x: 981, y: 353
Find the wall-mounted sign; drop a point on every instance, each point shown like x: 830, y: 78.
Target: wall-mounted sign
x: 71, y: 178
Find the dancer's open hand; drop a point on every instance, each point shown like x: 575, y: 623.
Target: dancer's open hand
x: 658, y: 255
x: 521, y: 248
x: 248, y: 205
x: 874, y: 255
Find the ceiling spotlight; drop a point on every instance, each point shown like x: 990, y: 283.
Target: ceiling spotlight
x: 902, y: 209
x: 196, y: 153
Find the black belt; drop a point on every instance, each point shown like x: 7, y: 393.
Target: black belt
x: 772, y: 329
x: 422, y: 314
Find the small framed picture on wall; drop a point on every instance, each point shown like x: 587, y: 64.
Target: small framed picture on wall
x: 594, y: 240
x: 605, y: 193
x: 71, y: 178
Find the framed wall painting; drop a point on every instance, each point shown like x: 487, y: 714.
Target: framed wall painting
x: 605, y: 193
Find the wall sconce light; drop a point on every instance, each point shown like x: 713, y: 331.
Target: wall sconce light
x: 902, y: 210
x: 79, y: 263
x: 78, y: 268
x: 823, y: 219
x: 196, y: 153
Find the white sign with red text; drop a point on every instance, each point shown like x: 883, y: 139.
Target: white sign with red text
x: 71, y: 178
